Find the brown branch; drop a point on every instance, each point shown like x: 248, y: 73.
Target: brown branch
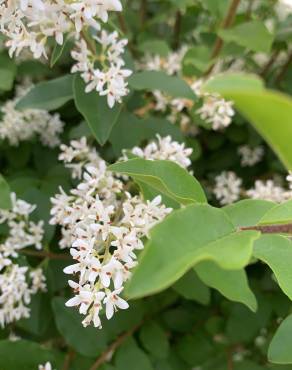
x: 229, y: 353
x: 68, y: 358
x: 227, y: 22
x: 114, y: 346
x: 270, y: 229
x: 43, y: 254
x: 143, y: 12
x: 270, y: 62
x: 284, y: 70
x: 177, y: 28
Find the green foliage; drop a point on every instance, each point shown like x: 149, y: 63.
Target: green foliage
x: 4, y: 194
x: 166, y: 177
x: 99, y: 117
x: 153, y: 80
x: 249, y: 97
x: 280, y: 347
x: 213, y: 283
x: 48, y: 95
x: 232, y: 284
x: 162, y: 261
x: 252, y: 35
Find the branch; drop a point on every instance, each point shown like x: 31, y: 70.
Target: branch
x: 43, y: 254
x: 270, y: 62
x: 143, y: 12
x: 68, y: 358
x: 177, y: 28
x: 227, y: 22
x: 270, y: 229
x: 284, y: 70
x: 114, y: 346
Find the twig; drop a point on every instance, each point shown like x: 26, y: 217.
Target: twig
x: 114, y: 346
x: 226, y: 24
x: 229, y: 359
x: 177, y: 28
x: 284, y: 70
x: 270, y: 229
x: 68, y: 358
x: 43, y: 254
x: 249, y: 9
x: 270, y: 62
x: 143, y: 12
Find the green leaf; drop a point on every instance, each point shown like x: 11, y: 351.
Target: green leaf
x: 198, y: 57
x: 154, y: 340
x: 7, y: 72
x: 155, y: 46
x: 138, y: 130
x: 94, y: 108
x: 184, y: 239
x: 156, y: 80
x: 26, y: 355
x: 165, y: 176
x: 48, y: 95
x: 253, y: 35
x: 280, y: 349
x: 279, y: 214
x: 232, y: 284
x: 129, y: 355
x: 57, y: 52
x: 192, y: 288
x: 5, y: 201
x: 194, y: 349
x: 248, y: 212
x: 261, y: 107
x: 276, y: 252
x: 86, y: 341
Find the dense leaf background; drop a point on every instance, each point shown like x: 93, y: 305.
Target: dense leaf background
x: 206, y: 296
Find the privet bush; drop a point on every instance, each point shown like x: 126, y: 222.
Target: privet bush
x: 145, y: 192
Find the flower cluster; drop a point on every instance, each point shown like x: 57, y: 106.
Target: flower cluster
x: 269, y: 190
x: 46, y: 366
x: 20, y: 125
x: 28, y: 24
x: 18, y: 283
x: 250, y: 156
x: 171, y: 64
x: 214, y: 110
x: 164, y: 149
x: 104, y: 225
x: 227, y: 187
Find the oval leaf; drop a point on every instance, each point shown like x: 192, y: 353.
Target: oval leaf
x: 232, y: 284
x: 276, y: 252
x: 94, y: 108
x: 280, y: 350
x: 48, y: 95
x: 262, y: 108
x: 184, y: 239
x: 157, y: 80
x: 5, y: 201
x: 165, y: 176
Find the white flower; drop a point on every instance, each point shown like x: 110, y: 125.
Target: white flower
x: 164, y: 149
x: 269, y: 190
x: 104, y: 226
x: 28, y: 24
x: 217, y: 111
x: 250, y: 156
x: 20, y: 125
x: 113, y: 301
x: 227, y: 187
x: 46, y: 366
